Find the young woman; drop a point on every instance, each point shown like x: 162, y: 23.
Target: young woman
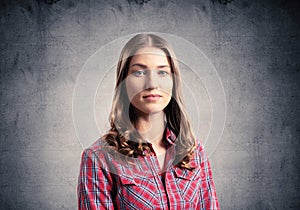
x: 150, y: 158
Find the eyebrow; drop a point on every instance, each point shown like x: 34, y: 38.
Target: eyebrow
x: 144, y: 66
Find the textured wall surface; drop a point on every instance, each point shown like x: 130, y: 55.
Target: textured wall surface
x: 254, y: 46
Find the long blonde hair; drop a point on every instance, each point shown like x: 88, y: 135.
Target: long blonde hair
x: 122, y: 132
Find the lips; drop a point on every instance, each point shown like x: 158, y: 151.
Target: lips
x: 152, y: 96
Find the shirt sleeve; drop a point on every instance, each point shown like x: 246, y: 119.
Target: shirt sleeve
x: 209, y: 195
x: 94, y: 183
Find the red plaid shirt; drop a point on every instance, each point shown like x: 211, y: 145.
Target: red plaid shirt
x: 107, y: 182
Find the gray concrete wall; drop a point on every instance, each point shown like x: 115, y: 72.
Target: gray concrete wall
x: 254, y: 46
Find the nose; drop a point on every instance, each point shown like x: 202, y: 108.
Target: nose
x: 151, y: 81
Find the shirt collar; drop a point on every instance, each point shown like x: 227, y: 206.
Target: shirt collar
x: 170, y: 136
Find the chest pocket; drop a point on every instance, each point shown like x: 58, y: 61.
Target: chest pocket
x: 137, y: 192
x: 189, y: 184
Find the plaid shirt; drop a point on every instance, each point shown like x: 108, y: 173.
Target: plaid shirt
x: 107, y: 182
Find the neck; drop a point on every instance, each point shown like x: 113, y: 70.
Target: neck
x: 151, y: 127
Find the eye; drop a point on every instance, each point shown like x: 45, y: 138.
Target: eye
x: 163, y: 73
x: 139, y: 73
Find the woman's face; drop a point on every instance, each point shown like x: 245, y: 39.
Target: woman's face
x: 149, y: 81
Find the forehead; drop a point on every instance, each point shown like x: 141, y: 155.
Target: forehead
x: 150, y: 50
x: 150, y: 54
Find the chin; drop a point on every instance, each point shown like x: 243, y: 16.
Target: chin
x: 152, y: 110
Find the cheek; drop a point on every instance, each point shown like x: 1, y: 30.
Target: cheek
x: 167, y: 86
x: 133, y: 87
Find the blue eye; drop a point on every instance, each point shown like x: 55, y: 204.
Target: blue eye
x: 139, y: 73
x: 163, y: 73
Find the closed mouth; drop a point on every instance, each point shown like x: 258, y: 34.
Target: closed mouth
x: 152, y: 95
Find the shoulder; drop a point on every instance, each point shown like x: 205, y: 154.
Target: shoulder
x: 97, y: 153
x: 97, y: 146
x: 199, y: 145
x: 199, y: 155
x: 200, y: 148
